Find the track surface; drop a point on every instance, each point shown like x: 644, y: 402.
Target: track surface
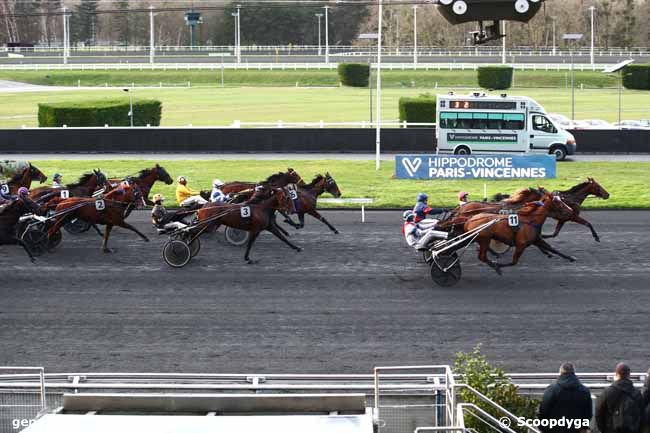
x: 344, y: 304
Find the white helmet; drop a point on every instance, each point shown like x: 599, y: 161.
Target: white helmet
x: 217, y: 183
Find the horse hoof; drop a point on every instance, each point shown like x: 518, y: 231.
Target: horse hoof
x: 33, y: 260
x: 298, y: 250
x: 252, y: 262
x: 145, y: 239
x: 107, y: 250
x: 498, y: 270
x: 597, y: 239
x: 572, y: 259
x: 336, y: 232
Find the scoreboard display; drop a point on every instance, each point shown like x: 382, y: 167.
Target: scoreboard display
x: 483, y: 105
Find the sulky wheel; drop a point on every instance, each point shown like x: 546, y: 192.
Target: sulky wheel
x: 176, y: 253
x: 36, y: 240
x: 427, y: 256
x: 236, y: 237
x: 195, y: 247
x: 76, y: 226
x: 55, y: 240
x: 445, y: 270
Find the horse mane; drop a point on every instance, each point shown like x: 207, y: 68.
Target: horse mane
x: 277, y: 176
x: 519, y: 195
x: 575, y: 188
x: 143, y: 173
x: 314, y: 181
x: 82, y: 180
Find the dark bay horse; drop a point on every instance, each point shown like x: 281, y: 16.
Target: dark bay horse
x: 145, y: 180
x: 25, y: 178
x: 253, y: 216
x: 278, y: 180
x: 531, y: 219
x: 86, y: 186
x: 10, y: 214
x: 308, y: 196
x: 116, y: 206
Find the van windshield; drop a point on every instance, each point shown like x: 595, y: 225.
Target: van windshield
x: 512, y: 121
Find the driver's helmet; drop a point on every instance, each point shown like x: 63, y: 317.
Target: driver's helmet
x: 462, y: 195
x: 57, y: 176
x: 22, y: 191
x: 158, y: 198
x: 217, y: 183
x: 422, y: 197
x: 406, y: 214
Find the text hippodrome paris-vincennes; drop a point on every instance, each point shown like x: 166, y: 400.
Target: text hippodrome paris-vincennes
x: 488, y: 167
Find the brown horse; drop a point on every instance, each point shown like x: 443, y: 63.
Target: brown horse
x: 116, y: 205
x: 531, y: 219
x: 308, y: 196
x: 10, y: 214
x: 278, y: 180
x: 145, y: 180
x: 253, y: 216
x: 25, y: 178
x: 86, y: 186
x: 574, y: 197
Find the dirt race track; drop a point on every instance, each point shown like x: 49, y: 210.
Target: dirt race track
x: 346, y: 303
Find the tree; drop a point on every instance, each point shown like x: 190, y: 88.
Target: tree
x: 120, y: 25
x: 83, y: 22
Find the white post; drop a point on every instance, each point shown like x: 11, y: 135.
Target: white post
x: 319, y: 39
x: 327, y: 35
x: 503, y: 41
x: 415, y: 34
x: 592, y: 9
x: 378, y: 116
x: 151, y: 36
x: 554, y: 38
x: 65, y: 36
x: 238, y: 34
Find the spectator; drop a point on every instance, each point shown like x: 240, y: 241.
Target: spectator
x: 619, y: 408
x: 646, y: 403
x: 567, y: 398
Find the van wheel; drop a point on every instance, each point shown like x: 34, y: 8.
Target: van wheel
x: 559, y: 152
x: 462, y: 150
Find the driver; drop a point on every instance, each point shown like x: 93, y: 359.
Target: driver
x: 162, y: 219
x: 422, y: 209
x: 56, y: 181
x: 463, y: 198
x: 217, y: 195
x: 419, y: 237
x: 186, y: 196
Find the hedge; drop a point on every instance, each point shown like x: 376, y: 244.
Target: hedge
x: 100, y: 113
x: 495, y: 77
x: 354, y: 74
x: 421, y: 109
x: 636, y: 77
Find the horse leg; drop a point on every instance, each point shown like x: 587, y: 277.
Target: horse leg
x: 107, y: 233
x: 584, y: 222
x: 322, y: 219
x: 519, y: 250
x: 558, y: 227
x: 275, y: 224
x: 251, y: 239
x: 484, y: 245
x: 301, y: 218
x: 24, y: 245
x: 99, y: 232
x: 545, y: 247
x: 288, y: 220
x: 128, y: 226
x: 279, y: 235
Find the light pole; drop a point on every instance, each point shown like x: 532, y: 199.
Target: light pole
x: 378, y: 116
x: 237, y: 35
x: 554, y: 37
x: 151, y: 36
x: 619, y: 67
x: 327, y: 34
x: 415, y: 34
x: 65, y: 35
x: 568, y: 38
x: 130, y: 106
x: 503, y: 44
x: 592, y: 9
x: 369, y: 36
x: 319, y: 16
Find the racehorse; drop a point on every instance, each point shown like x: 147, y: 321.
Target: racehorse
x: 531, y: 219
x: 145, y: 180
x: 25, y: 177
x: 574, y: 197
x: 308, y: 196
x: 278, y: 180
x: 10, y: 214
x: 253, y: 216
x: 116, y: 206
x: 86, y: 186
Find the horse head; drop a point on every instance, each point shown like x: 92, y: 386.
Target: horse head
x: 331, y: 186
x: 162, y: 175
x: 37, y: 174
x: 596, y: 189
x: 294, y: 177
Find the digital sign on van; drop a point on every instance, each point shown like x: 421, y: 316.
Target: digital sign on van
x: 481, y: 138
x: 483, y: 105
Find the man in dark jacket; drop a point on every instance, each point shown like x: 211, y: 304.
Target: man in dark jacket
x: 566, y: 398
x: 646, y: 403
x: 619, y: 409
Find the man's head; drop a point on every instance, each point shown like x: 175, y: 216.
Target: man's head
x: 217, y: 183
x: 57, y: 177
x: 622, y: 371
x: 158, y: 199
x: 567, y: 368
x: 463, y: 196
x: 182, y: 180
x: 422, y: 197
